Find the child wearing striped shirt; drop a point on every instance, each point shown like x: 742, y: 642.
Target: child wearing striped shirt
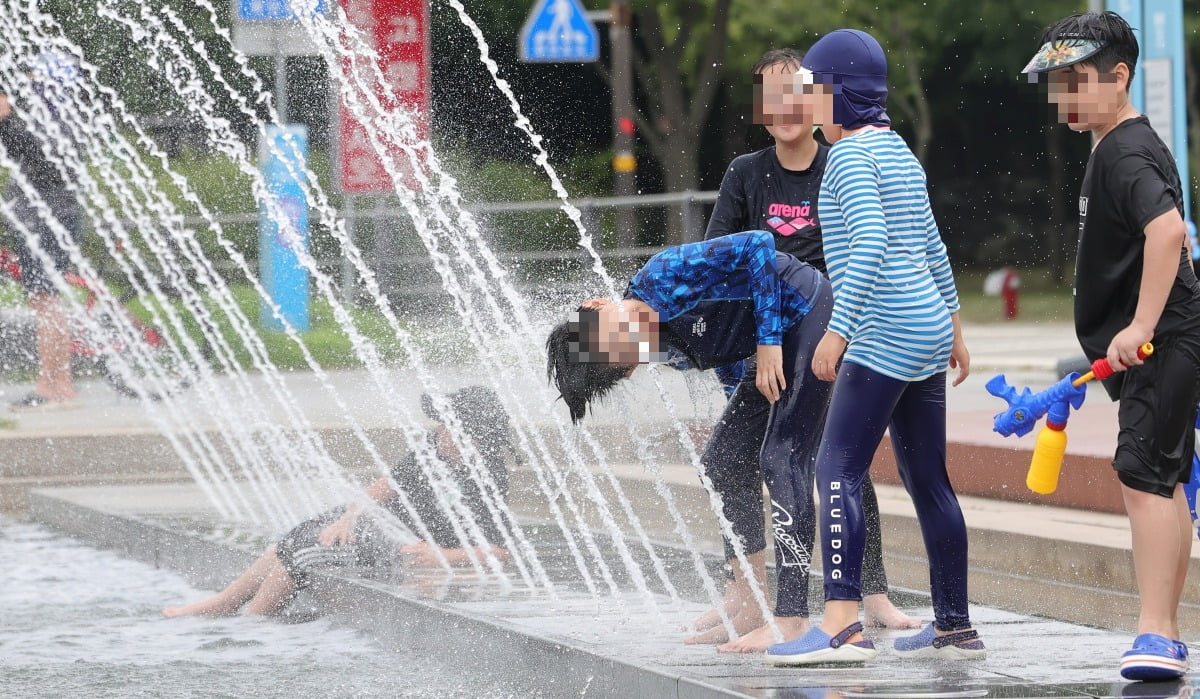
x: 894, y: 328
x: 776, y: 190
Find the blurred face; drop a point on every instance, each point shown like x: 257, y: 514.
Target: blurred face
x: 817, y: 100
x: 625, y: 337
x: 1084, y: 97
x: 778, y: 107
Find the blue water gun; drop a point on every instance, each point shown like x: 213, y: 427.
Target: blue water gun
x: 1055, y: 404
x: 1190, y: 488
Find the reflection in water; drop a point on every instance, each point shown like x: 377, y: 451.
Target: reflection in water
x: 75, y: 621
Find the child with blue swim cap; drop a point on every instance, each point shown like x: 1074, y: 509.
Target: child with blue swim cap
x: 894, y: 330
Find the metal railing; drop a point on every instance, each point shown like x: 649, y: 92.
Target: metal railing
x: 386, y: 259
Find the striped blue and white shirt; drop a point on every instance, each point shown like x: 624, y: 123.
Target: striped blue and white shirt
x: 893, y: 287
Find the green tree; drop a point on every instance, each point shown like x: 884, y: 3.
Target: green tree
x: 679, y: 64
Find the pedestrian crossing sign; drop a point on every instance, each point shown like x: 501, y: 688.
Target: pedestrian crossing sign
x: 559, y: 31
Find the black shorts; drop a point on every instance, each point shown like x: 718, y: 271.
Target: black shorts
x: 300, y: 552
x: 1157, y: 418
x: 35, y: 277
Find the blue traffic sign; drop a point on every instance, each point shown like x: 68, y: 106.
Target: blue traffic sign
x: 559, y: 31
x: 273, y: 10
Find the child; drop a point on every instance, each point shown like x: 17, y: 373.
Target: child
x: 895, y: 318
x: 774, y: 189
x: 22, y: 142
x: 717, y: 302
x: 1134, y: 284
x: 343, y: 536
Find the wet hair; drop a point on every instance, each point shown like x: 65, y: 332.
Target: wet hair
x: 573, y: 366
x: 1106, y: 28
x: 775, y: 57
x: 485, y: 421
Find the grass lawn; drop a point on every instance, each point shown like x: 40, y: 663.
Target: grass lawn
x: 325, y: 339
x: 1041, y: 299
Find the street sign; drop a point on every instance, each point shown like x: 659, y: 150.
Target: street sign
x: 1159, y: 83
x: 282, y: 152
x: 274, y: 10
x: 270, y: 28
x: 559, y: 31
x: 398, y: 30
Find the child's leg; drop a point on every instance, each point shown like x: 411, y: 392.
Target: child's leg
x: 229, y: 600
x: 741, y: 605
x: 1161, y: 533
x: 787, y: 459
x: 276, y: 590
x: 1157, y: 415
x: 859, y: 412
x: 878, y: 610
x: 919, y: 440
x: 731, y: 462
x: 1187, y: 535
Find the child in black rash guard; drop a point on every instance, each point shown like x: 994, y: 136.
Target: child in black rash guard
x: 345, y: 536
x: 774, y: 189
x: 1134, y: 284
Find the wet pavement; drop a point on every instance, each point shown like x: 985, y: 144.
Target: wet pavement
x: 638, y: 637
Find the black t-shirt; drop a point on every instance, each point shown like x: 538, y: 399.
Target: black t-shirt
x: 425, y: 500
x: 1130, y: 181
x: 26, y: 149
x: 758, y: 193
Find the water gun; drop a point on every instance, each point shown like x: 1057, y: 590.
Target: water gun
x: 1190, y: 488
x: 1055, y: 404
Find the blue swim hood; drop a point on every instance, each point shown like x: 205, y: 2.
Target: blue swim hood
x: 853, y: 63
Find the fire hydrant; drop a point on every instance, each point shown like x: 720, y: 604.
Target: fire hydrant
x: 1005, y: 283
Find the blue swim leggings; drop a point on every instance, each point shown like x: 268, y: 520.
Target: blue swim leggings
x: 863, y: 405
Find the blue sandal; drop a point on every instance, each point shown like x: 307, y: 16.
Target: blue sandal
x: 1154, y: 658
x: 817, y: 647
x: 958, y: 645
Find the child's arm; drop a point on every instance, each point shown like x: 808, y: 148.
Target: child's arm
x: 423, y: 555
x: 853, y: 179
x: 1160, y: 264
x: 1137, y: 181
x: 381, y: 491
x: 729, y: 213
x: 341, y: 531
x: 939, y: 261
x: 939, y: 266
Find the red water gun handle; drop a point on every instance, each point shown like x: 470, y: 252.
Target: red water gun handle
x: 1101, y: 369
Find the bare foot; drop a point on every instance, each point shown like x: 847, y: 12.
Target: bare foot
x: 880, y: 613
x: 738, y: 599
x: 748, y: 618
x: 208, y: 607
x: 763, y: 637
x: 707, y: 620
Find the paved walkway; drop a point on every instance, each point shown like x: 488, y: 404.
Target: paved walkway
x: 1027, y: 352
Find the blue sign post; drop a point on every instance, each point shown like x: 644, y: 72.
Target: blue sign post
x: 559, y: 31
x: 272, y: 10
x: 1159, y: 86
x: 282, y: 153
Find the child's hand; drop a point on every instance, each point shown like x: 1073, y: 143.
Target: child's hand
x: 960, y: 359
x: 827, y: 355
x: 340, y: 533
x: 769, y: 377
x: 1123, y: 350
x: 420, y: 555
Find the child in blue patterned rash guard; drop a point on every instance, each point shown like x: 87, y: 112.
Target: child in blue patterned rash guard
x: 894, y: 328
x: 717, y: 302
